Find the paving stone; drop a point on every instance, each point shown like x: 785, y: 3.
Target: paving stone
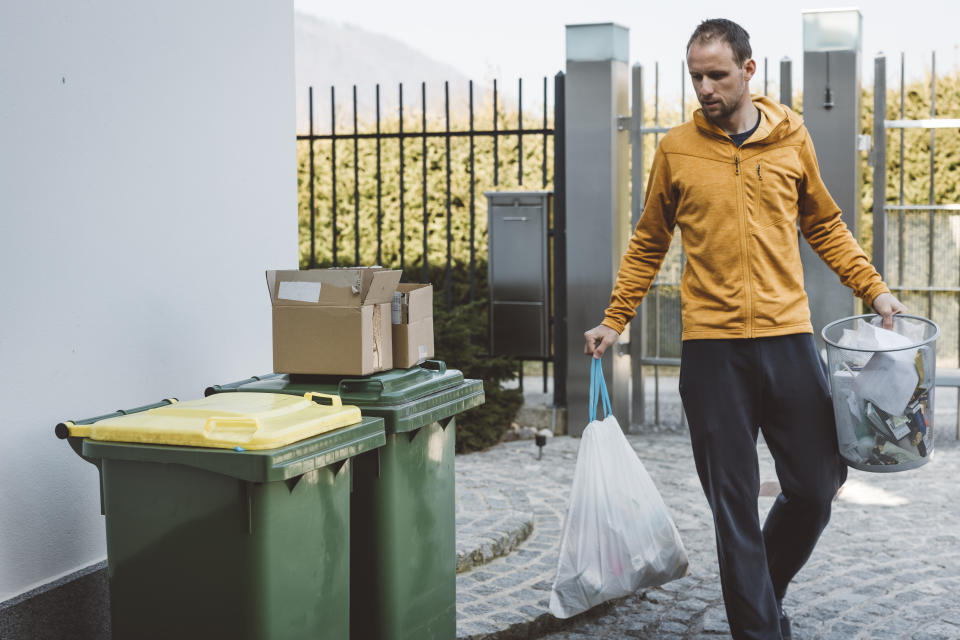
x: 482, y: 576
x: 952, y: 617
x: 481, y: 609
x: 530, y: 611
x: 671, y: 627
x: 476, y: 629
x: 658, y: 597
x: 484, y: 589
x: 715, y: 620
x: 937, y: 631
x: 679, y: 615
x: 691, y: 604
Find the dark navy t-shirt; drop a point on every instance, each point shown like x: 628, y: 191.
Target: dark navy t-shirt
x: 740, y: 138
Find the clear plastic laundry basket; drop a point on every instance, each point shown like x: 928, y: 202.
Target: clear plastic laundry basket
x: 883, y: 383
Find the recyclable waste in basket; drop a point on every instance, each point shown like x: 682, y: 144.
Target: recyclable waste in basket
x: 883, y: 383
x: 229, y: 516
x: 402, y: 535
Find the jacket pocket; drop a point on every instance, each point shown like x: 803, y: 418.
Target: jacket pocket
x: 776, y: 193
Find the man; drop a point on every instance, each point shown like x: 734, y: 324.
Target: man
x: 737, y: 180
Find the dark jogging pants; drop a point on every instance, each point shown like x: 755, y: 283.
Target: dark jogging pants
x: 730, y: 390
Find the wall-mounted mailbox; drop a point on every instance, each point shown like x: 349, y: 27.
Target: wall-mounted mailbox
x: 518, y: 269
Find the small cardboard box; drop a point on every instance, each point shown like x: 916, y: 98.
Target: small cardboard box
x: 413, y: 325
x: 332, y: 321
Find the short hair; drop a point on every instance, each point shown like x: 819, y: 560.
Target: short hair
x: 728, y: 31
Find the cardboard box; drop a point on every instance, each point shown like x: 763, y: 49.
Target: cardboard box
x: 413, y: 334
x: 332, y: 321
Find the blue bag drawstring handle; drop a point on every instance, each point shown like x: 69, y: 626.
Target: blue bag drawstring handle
x: 592, y: 396
x: 598, y: 390
x: 608, y: 408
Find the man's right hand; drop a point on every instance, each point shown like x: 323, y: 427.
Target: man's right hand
x: 599, y: 339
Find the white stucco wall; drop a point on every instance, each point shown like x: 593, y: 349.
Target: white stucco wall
x: 147, y: 179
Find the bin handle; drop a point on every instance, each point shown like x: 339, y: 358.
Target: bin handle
x: 230, y: 428
x: 69, y: 429
x: 335, y: 401
x: 435, y: 365
x: 82, y: 428
x: 361, y: 385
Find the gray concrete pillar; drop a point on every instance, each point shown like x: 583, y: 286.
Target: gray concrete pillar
x: 597, y: 205
x: 831, y: 111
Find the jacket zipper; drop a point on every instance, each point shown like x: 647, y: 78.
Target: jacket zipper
x: 745, y: 249
x: 759, y: 201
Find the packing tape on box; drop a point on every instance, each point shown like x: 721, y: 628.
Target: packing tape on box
x: 377, y: 338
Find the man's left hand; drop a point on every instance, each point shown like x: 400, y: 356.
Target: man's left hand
x: 887, y: 306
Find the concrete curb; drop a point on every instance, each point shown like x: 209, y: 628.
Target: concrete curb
x: 475, y: 549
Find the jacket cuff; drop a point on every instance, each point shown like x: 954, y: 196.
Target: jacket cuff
x: 873, y: 292
x: 613, y: 324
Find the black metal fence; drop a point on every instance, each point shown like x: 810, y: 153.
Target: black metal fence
x: 330, y: 226
x: 499, y: 130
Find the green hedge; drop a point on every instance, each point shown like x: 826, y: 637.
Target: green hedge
x: 413, y: 191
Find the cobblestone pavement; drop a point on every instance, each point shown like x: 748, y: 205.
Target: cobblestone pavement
x: 887, y: 566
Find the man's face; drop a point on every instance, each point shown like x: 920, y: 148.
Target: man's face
x: 722, y: 86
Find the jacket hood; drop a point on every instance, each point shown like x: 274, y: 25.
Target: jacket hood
x: 776, y: 121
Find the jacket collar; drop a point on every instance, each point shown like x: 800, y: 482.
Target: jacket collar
x: 775, y: 122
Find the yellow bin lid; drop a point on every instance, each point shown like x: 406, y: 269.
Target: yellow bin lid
x: 227, y: 420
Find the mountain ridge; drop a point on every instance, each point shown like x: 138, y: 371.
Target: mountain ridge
x: 339, y: 55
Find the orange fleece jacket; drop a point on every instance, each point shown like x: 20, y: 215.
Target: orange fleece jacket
x: 738, y: 209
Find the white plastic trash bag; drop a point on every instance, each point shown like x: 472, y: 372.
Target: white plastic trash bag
x: 618, y: 536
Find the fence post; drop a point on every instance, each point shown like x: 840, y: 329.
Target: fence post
x: 831, y: 111
x: 313, y: 199
x: 786, y: 82
x: 878, y: 159
x: 559, y: 245
x: 597, y: 205
x: 638, y: 345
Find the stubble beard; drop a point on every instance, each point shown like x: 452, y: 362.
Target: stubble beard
x: 726, y: 109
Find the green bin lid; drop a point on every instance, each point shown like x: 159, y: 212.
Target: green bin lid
x: 269, y: 465
x: 406, y: 399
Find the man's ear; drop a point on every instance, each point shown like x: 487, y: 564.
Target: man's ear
x: 749, y: 68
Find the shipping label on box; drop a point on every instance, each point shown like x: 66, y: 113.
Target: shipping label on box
x: 413, y: 325
x: 332, y: 321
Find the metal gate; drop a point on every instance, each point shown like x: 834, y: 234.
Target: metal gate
x: 916, y: 245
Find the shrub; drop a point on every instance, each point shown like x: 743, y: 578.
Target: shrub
x: 461, y: 341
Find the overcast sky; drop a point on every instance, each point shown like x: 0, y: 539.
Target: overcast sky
x: 508, y: 39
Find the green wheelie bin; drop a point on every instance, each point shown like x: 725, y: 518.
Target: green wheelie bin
x: 402, y: 534
x: 228, y: 517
